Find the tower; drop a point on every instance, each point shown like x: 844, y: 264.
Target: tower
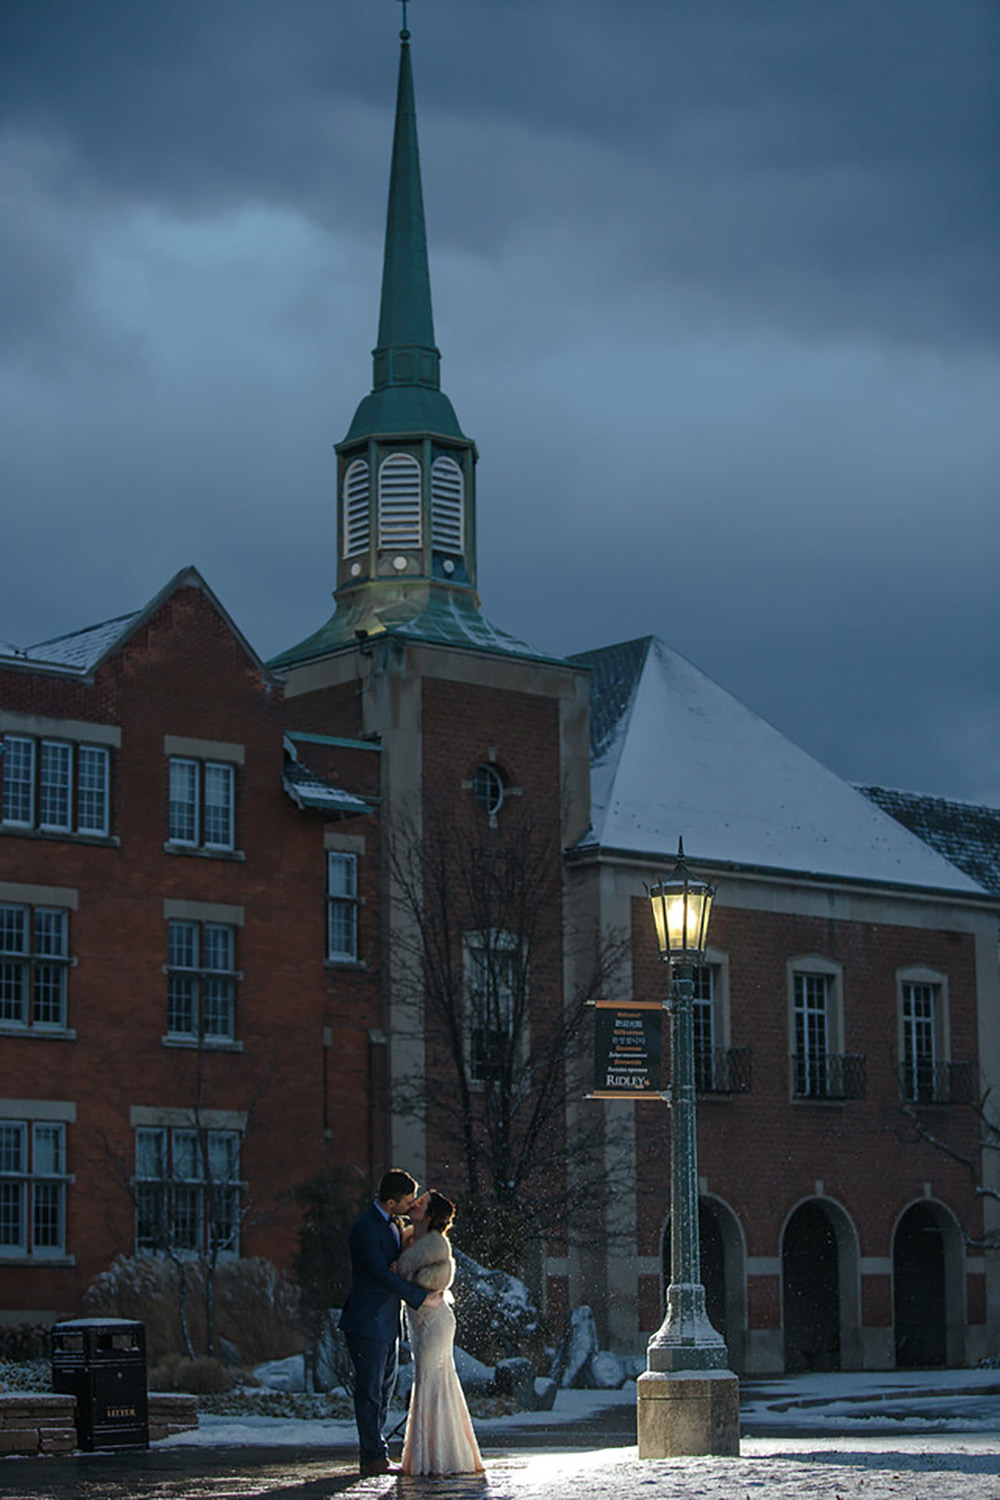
x: 468, y: 722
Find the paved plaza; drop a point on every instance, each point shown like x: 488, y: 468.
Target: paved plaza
x: 768, y: 1469
x: 859, y: 1437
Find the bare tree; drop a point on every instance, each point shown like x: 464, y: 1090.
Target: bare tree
x: 479, y: 949
x: 980, y: 1165
x: 190, y: 1200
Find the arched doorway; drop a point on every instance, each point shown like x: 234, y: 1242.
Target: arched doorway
x: 810, y: 1278
x: 723, y: 1273
x: 926, y: 1296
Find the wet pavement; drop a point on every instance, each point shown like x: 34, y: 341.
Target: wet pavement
x: 593, y: 1459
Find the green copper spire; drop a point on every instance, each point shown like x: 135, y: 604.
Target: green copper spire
x: 407, y: 394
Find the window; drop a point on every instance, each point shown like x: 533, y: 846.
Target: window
x: 703, y: 1021
x: 399, y: 501
x: 820, y: 1067
x: 34, y: 967
x: 447, y: 505
x: 356, y: 513
x: 928, y: 1076
x: 55, y: 786
x: 811, y: 1035
x: 495, y: 985
x: 488, y: 788
x: 202, y: 803
x: 201, y: 981
x: 33, y: 1182
x: 341, y: 906
x: 187, y: 1190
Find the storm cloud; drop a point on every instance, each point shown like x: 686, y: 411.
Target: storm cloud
x: 715, y: 285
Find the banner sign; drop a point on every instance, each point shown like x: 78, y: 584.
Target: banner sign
x: 627, y: 1051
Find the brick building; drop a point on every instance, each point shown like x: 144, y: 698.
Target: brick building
x: 212, y: 967
x: 181, y: 906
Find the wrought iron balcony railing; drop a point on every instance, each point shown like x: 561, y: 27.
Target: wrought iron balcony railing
x: 723, y: 1070
x: 936, y: 1082
x: 828, y: 1075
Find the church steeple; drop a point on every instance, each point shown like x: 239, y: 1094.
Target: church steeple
x: 406, y: 470
x: 406, y: 481
x: 406, y: 322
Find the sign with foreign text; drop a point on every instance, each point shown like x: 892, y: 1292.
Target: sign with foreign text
x: 628, y: 1046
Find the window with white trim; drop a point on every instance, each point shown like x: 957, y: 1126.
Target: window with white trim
x: 490, y: 788
x: 341, y: 907
x: 356, y: 508
x: 34, y: 967
x: 812, y: 1028
x: 399, y: 501
x: 821, y: 1069
x: 33, y: 1181
x: 202, y: 813
x: 55, y: 786
x: 703, y: 1025
x: 447, y: 505
x: 201, y: 981
x: 187, y: 1191
x: 926, y: 1063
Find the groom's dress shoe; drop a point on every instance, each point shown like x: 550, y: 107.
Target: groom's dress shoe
x: 371, y: 1467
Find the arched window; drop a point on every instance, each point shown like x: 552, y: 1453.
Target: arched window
x: 356, y: 519
x: 399, y: 501
x: 447, y: 506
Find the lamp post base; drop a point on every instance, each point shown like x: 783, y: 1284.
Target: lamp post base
x: 687, y: 1413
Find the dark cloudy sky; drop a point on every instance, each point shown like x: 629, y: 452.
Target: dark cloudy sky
x: 715, y: 283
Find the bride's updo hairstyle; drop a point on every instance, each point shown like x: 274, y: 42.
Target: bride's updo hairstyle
x: 440, y: 1212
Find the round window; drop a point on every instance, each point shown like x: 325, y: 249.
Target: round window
x: 488, y: 787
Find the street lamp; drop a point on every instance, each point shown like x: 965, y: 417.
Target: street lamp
x: 688, y: 1401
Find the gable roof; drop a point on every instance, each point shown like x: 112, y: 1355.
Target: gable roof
x: 674, y: 754
x: 967, y: 835
x: 82, y: 651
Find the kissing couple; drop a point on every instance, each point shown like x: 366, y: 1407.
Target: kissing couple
x: 392, y: 1262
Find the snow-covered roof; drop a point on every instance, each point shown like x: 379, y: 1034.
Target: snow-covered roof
x: 674, y: 754
x: 967, y: 835
x: 80, y: 650
x: 308, y: 789
x: 446, y: 619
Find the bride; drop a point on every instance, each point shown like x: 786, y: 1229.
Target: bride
x: 439, y: 1436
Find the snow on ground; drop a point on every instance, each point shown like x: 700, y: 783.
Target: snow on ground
x: 869, y: 1436
x: 762, y: 1472
x: 873, y: 1408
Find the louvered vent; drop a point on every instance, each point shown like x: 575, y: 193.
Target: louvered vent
x: 447, y: 506
x: 399, y: 501
x: 357, y: 522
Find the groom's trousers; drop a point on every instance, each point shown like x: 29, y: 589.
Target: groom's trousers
x: 375, y: 1362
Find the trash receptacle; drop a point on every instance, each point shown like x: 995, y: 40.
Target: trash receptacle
x: 102, y: 1362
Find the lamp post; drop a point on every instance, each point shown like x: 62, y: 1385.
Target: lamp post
x: 688, y: 1401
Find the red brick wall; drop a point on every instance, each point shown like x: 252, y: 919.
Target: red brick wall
x: 462, y: 725
x: 186, y: 674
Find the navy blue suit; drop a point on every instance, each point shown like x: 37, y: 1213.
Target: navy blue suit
x: 371, y: 1322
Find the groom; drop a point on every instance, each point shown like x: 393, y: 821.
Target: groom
x: 370, y: 1320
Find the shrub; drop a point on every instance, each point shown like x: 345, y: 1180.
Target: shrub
x: 256, y: 1309
x: 23, y: 1342
x: 199, y: 1377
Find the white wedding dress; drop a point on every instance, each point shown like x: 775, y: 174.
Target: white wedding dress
x: 439, y: 1435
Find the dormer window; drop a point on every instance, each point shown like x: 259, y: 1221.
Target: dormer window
x: 356, y: 514
x: 399, y: 501
x: 447, y: 506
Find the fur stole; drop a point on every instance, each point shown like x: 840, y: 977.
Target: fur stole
x: 429, y: 1262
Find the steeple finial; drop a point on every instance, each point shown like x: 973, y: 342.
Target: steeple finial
x: 406, y: 352
x: 406, y: 393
